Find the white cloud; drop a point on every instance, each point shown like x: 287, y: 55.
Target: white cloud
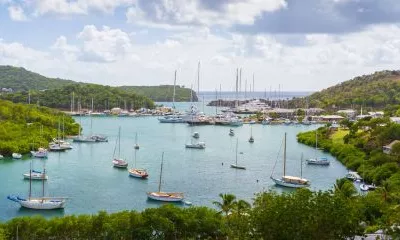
x: 104, y: 45
x: 17, y: 13
x: 66, y: 7
x: 170, y: 13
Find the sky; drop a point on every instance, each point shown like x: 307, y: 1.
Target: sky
x: 299, y: 45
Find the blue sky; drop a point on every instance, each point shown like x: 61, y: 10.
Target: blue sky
x: 298, y: 44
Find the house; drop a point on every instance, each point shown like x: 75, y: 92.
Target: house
x: 328, y: 118
x: 388, y: 148
x: 376, y: 114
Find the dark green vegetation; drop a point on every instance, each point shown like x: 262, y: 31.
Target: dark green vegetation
x: 376, y: 90
x: 20, y: 127
x: 104, y: 97
x: 302, y: 214
x: 360, y: 149
x: 163, y: 93
x: 22, y: 80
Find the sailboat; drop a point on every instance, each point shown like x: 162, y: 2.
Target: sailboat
x: 165, y: 196
x: 136, y: 144
x: 40, y: 203
x: 318, y: 161
x: 236, y: 164
x: 80, y: 138
x: 35, y: 175
x: 41, y: 152
x: 174, y: 118
x: 366, y: 187
x: 137, y: 172
x: 198, y: 145
x: 119, y: 162
x: 251, y: 139
x: 289, y: 181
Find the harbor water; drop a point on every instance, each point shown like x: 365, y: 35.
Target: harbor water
x: 86, y: 176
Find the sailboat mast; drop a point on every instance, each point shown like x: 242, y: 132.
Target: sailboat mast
x: 301, y: 166
x: 236, y: 95
x: 284, y: 156
x: 43, y: 177
x: 159, y: 182
x: 173, y: 96
x: 240, y: 82
x: 237, y: 142
x: 198, y: 80
x: 119, y: 143
x: 30, y: 181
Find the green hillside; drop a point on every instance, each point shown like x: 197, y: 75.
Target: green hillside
x: 375, y: 90
x: 20, y: 126
x: 20, y: 79
x: 163, y: 93
x: 104, y: 97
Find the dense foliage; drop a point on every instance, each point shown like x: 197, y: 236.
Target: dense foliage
x: 163, y: 93
x: 359, y: 147
x: 300, y: 214
x: 376, y: 90
x: 26, y: 127
x: 20, y: 79
x: 104, y: 97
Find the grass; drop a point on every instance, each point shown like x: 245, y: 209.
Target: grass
x: 337, y: 137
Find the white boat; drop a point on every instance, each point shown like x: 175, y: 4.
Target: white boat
x: 199, y: 145
x: 39, y: 203
x: 118, y: 162
x: 354, y: 176
x: 236, y: 159
x: 40, y: 153
x: 1, y: 156
x: 136, y: 147
x: 323, y: 161
x: 137, y: 172
x: 196, y: 135
x: 165, y: 196
x: 36, y: 175
x: 287, y: 122
x: 171, y: 119
x: 367, y: 187
x: 16, y: 155
x: 290, y: 181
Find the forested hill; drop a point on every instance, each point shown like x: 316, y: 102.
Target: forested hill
x: 163, y: 93
x: 375, y: 90
x: 20, y: 79
x: 104, y: 97
x: 20, y: 127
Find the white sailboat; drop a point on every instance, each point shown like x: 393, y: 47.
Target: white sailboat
x: 137, y: 172
x: 165, y: 196
x: 236, y: 159
x: 35, y: 175
x: 289, y: 181
x: 118, y: 162
x: 41, y: 152
x: 174, y: 118
x: 324, y: 161
x: 39, y: 203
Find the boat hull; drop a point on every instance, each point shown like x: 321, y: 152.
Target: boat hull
x: 165, y: 196
x: 238, y: 167
x: 45, y: 204
x: 282, y: 183
x: 317, y: 162
x: 194, y: 146
x: 35, y: 176
x: 138, y: 173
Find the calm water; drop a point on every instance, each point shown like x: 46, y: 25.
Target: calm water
x: 85, y: 174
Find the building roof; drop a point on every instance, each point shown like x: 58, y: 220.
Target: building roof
x: 332, y: 117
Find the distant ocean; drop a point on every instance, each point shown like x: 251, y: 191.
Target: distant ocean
x: 211, y: 95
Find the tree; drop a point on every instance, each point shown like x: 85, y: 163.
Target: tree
x: 345, y: 187
x: 227, y: 204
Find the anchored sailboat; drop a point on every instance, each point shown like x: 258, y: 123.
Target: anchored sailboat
x: 118, y: 162
x: 40, y: 203
x: 318, y: 160
x: 137, y: 172
x: 289, y: 181
x: 236, y: 160
x: 165, y: 196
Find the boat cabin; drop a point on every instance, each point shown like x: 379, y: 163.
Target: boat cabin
x: 295, y: 180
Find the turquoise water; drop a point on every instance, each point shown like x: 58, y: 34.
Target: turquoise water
x: 85, y: 174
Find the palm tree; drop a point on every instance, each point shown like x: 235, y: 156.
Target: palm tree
x: 241, y: 207
x: 345, y: 187
x: 227, y: 204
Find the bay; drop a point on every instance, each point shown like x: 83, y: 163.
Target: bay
x: 85, y: 173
